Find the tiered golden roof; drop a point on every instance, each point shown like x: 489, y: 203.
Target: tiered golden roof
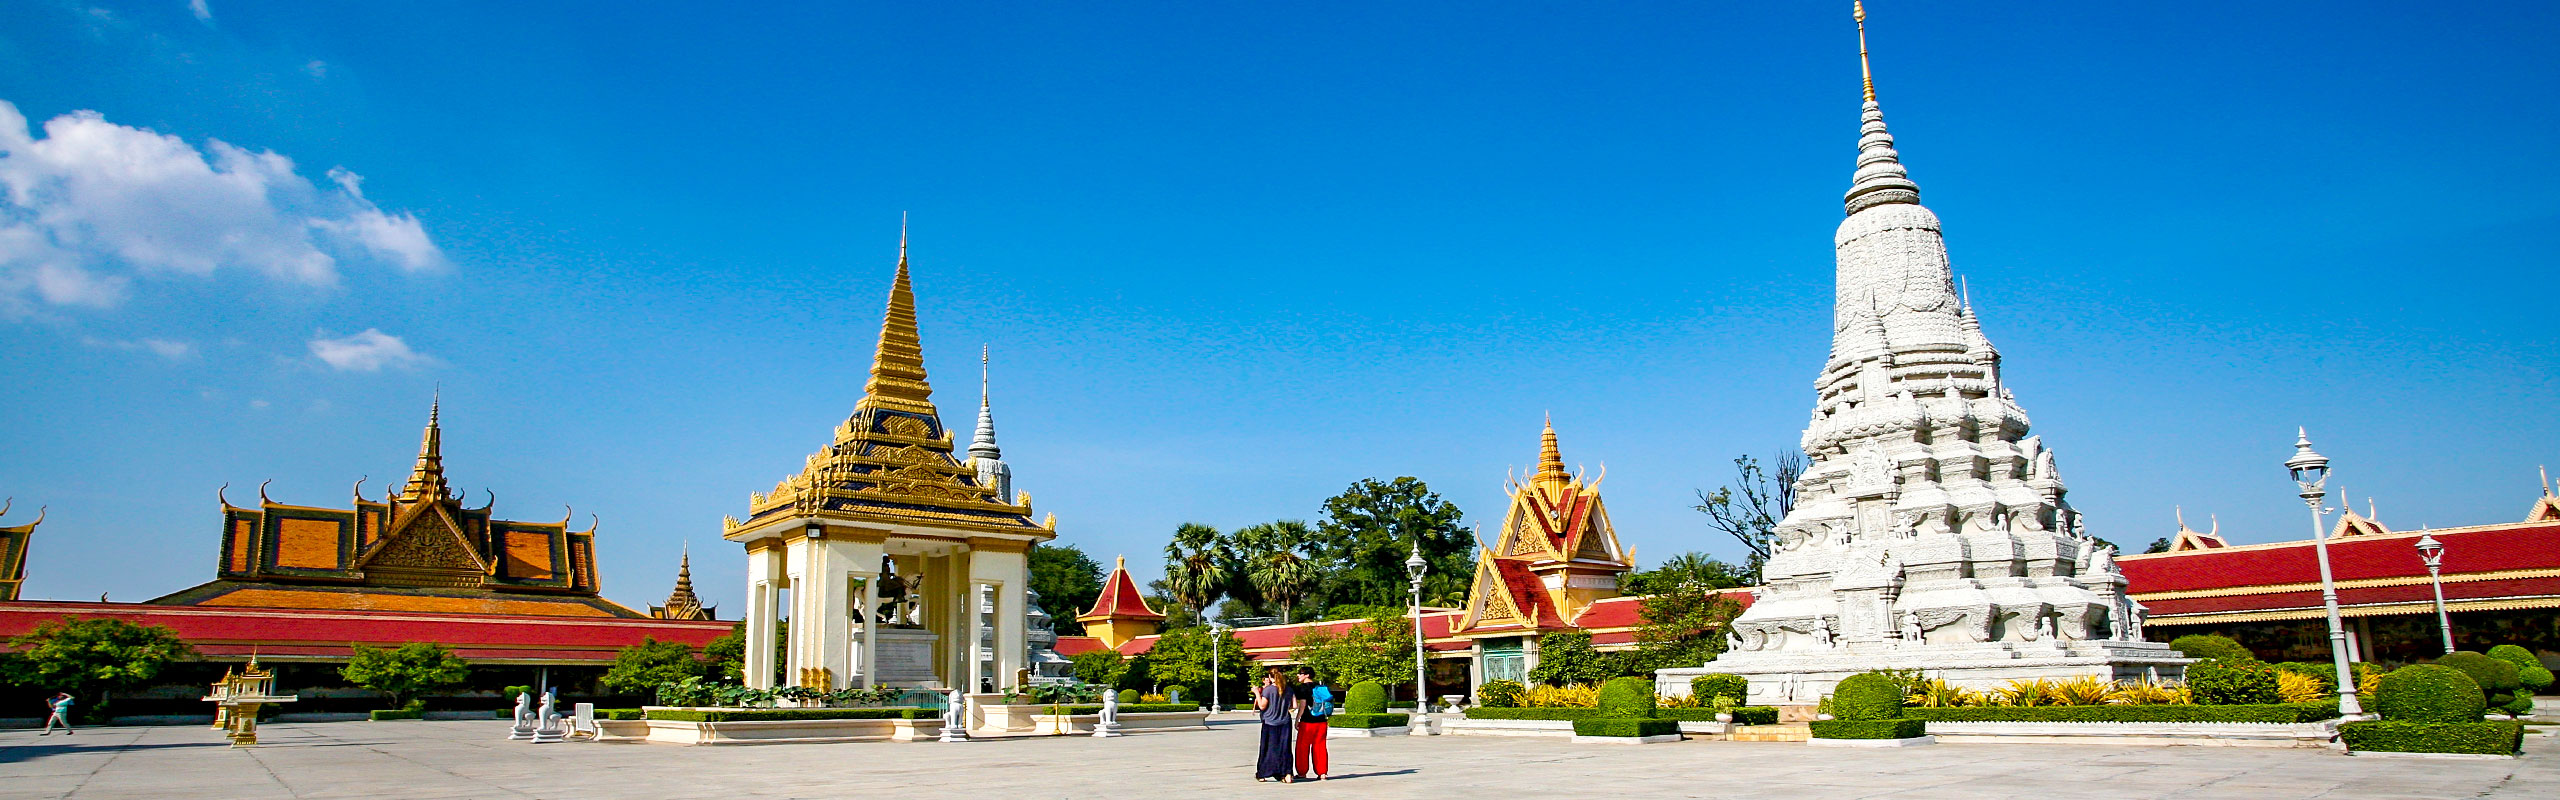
x: 1557, y: 553
x: 13, y: 551
x: 892, y: 459
x: 682, y: 603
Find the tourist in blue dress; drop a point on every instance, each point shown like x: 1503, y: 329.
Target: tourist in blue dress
x: 1273, y: 704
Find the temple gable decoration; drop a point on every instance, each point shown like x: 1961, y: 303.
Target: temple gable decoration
x: 1557, y: 553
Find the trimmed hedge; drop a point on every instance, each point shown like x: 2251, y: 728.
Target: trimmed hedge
x: 1742, y: 715
x: 2432, y: 693
x: 1620, y: 726
x: 1866, y: 695
x: 1627, y: 698
x: 2529, y: 670
x: 1538, y: 712
x: 1129, y: 697
x: 1869, y: 728
x: 1707, y: 687
x: 1501, y: 694
x: 782, y: 714
x: 1366, y: 697
x: 2206, y: 645
x: 2232, y: 682
x: 2498, y: 680
x: 2279, y: 712
x: 387, y: 714
x: 2386, y: 736
x: 1350, y: 720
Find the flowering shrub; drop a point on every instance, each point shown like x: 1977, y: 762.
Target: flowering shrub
x: 1580, y: 695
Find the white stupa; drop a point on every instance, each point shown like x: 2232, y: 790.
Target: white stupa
x: 1929, y: 530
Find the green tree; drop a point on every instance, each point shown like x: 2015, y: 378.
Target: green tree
x: 2160, y: 545
x: 93, y: 657
x: 1196, y: 566
x: 1379, y: 650
x: 1683, y: 626
x: 1750, y: 509
x: 1068, y: 582
x: 1100, y: 667
x: 1566, y: 658
x: 1275, y: 563
x: 1181, y: 658
x: 725, y: 658
x: 406, y: 671
x: 1684, y: 572
x: 1369, y: 530
x: 643, y: 667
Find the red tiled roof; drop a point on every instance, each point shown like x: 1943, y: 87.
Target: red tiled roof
x: 2488, y: 563
x: 1120, y: 599
x: 1072, y: 646
x: 312, y: 634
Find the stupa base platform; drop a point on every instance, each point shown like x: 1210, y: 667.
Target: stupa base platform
x: 1791, y: 677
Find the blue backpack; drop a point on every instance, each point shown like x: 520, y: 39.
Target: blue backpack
x: 1322, y: 704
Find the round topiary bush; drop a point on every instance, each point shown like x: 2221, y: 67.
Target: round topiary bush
x: 2206, y: 645
x: 1366, y: 697
x: 1128, y: 697
x: 2529, y: 670
x: 1626, y: 698
x: 1500, y: 694
x: 1866, y: 695
x: 1708, y: 687
x: 2232, y: 682
x: 2428, y: 693
x: 2498, y: 679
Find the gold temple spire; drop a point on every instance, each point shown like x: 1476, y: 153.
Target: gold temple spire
x: 1551, y: 474
x: 897, y: 369
x: 426, y: 480
x: 1858, y: 10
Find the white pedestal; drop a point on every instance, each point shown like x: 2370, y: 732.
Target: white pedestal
x: 906, y: 657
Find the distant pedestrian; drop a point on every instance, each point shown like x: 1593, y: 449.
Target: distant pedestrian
x: 61, y: 705
x: 1272, y: 703
x: 1315, y: 710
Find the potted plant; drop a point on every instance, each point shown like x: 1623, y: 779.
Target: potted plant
x: 1723, y: 704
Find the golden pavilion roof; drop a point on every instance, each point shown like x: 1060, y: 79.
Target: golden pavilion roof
x: 891, y: 460
x: 1557, y: 552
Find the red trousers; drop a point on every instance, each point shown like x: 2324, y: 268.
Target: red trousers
x: 1313, y: 758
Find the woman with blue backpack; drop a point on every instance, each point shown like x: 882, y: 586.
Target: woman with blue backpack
x: 1315, y: 704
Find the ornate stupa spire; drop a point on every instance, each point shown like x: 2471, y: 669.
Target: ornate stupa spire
x: 1880, y: 178
x: 426, y: 480
x: 897, y: 368
x: 993, y: 473
x: 682, y: 603
x: 1550, y: 477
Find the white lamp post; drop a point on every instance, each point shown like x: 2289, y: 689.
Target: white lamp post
x: 1415, y: 566
x: 2311, y: 471
x: 1217, y: 637
x: 2432, y: 552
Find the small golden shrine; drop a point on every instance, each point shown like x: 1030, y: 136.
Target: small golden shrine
x: 681, y: 603
x: 1556, y: 556
x: 416, y: 549
x: 13, y: 551
x: 237, y: 698
x: 1120, y: 613
x: 887, y: 546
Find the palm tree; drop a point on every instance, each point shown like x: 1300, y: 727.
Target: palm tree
x: 1195, y: 567
x: 1276, y: 563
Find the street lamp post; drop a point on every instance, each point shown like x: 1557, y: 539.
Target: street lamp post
x: 1217, y: 636
x: 1415, y: 566
x: 2310, y: 472
x: 2432, y: 552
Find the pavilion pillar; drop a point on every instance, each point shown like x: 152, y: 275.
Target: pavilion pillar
x: 765, y: 579
x: 1004, y: 568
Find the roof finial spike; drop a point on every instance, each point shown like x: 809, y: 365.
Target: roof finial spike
x: 1964, y: 286
x: 902, y: 238
x: 2182, y: 517
x: 1858, y: 11
x: 2546, y: 479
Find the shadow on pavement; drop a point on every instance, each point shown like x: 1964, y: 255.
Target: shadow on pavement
x: 29, y: 752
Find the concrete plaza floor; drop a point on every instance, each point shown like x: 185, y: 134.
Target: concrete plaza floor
x: 472, y: 759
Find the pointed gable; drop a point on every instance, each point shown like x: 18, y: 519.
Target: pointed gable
x: 1120, y: 598
x: 1557, y: 555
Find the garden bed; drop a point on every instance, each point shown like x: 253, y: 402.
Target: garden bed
x: 1130, y: 721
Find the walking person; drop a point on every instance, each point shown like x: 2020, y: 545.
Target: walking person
x: 1273, y: 704
x: 61, y: 705
x: 1315, y: 709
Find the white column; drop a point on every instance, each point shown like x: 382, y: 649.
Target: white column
x: 765, y: 580
x: 870, y: 628
x: 1007, y: 573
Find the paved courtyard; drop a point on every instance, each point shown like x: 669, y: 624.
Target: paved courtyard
x: 471, y: 759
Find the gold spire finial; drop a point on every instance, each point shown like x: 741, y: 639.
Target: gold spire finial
x: 1858, y: 10
x: 1551, y: 471
x: 426, y: 480
x: 897, y: 369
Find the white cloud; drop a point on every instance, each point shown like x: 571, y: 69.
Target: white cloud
x: 317, y: 68
x: 203, y: 12
x: 172, y: 349
x: 93, y: 206
x: 369, y: 351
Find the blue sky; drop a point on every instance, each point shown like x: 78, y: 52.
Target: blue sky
x: 1232, y: 258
